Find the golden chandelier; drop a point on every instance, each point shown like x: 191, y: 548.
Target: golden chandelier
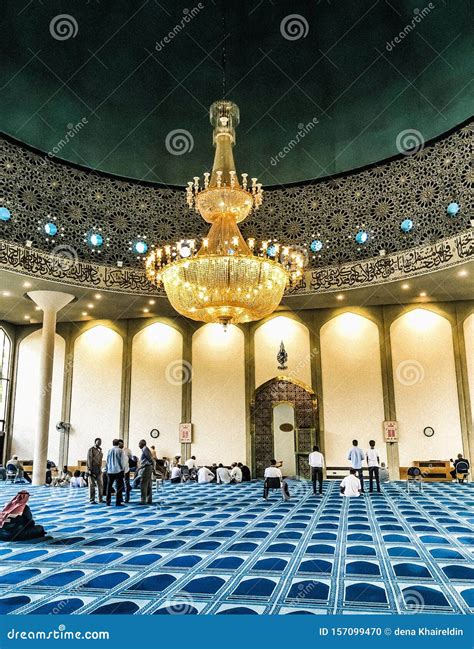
x: 226, y: 279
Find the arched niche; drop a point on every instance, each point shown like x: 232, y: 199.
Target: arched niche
x: 425, y: 386
x: 26, y: 398
x: 157, y: 380
x: 296, y: 339
x: 468, y: 330
x: 218, y: 394
x: 96, y: 390
x: 352, y: 397
x: 299, y: 405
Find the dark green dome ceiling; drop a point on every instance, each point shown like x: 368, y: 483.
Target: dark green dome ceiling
x: 337, y: 66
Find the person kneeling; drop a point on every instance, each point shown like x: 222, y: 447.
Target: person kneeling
x: 350, y: 485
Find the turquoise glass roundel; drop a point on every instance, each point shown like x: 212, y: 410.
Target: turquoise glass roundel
x: 361, y: 236
x: 316, y: 245
x: 453, y: 209
x: 96, y: 239
x: 140, y: 247
x: 406, y: 225
x: 5, y: 214
x: 51, y: 229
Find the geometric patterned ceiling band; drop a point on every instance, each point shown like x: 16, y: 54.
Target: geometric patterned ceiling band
x: 63, y: 268
x: 376, y: 200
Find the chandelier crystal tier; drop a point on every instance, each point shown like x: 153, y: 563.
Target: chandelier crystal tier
x: 225, y: 279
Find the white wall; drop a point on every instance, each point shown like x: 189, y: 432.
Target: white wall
x: 469, y: 341
x: 283, y: 440
x: 27, y: 394
x: 295, y: 337
x: 352, y: 386
x: 218, y: 394
x: 96, y: 385
x: 156, y: 388
x: 425, y: 386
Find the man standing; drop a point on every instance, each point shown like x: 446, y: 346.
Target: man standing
x: 316, y: 462
x: 356, y: 457
x: 146, y: 471
x: 373, y: 462
x: 115, y: 471
x: 127, y: 456
x: 94, y: 469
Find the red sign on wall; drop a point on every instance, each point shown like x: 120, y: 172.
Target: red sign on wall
x: 390, y: 430
x: 185, y: 433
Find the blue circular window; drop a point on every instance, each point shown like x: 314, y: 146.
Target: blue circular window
x: 453, y: 209
x: 316, y: 245
x: 5, y: 214
x: 51, y: 229
x: 406, y: 225
x: 95, y: 239
x: 362, y: 236
x: 140, y: 247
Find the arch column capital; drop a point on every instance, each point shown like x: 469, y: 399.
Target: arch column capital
x: 50, y: 300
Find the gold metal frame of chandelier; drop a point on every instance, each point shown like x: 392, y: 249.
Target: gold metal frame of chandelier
x: 229, y: 289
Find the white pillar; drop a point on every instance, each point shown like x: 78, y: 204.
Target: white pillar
x: 50, y: 302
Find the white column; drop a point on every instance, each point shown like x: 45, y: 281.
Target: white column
x: 50, y: 302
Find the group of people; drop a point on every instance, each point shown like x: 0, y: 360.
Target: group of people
x: 236, y: 473
x: 353, y: 484
x: 115, y: 476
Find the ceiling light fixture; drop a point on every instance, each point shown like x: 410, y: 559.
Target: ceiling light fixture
x: 224, y: 278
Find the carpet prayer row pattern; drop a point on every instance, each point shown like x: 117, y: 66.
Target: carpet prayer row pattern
x: 211, y: 549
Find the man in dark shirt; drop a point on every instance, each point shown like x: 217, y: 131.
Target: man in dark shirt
x: 146, y: 471
x: 94, y: 468
x: 245, y: 472
x: 465, y: 466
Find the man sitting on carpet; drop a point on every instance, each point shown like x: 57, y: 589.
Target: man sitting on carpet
x: 16, y: 520
x: 205, y: 475
x: 350, y: 485
x: 274, y: 480
x: 223, y: 474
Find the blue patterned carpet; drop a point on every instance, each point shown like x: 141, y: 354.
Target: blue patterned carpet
x: 209, y: 549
